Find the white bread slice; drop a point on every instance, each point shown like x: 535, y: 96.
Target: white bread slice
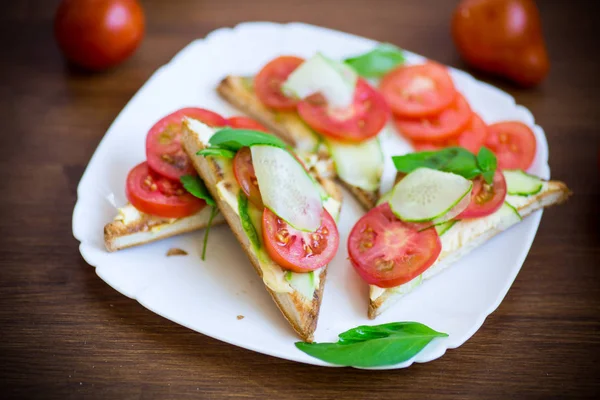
x: 466, y: 238
x: 301, y: 312
x: 287, y: 125
x: 133, y: 228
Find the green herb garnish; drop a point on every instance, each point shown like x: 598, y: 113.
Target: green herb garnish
x: 456, y: 160
x: 196, y: 187
x: 374, y: 346
x: 377, y: 62
x: 234, y: 139
x: 216, y: 152
x: 247, y: 224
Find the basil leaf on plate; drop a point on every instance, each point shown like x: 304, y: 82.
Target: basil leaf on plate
x: 196, y: 187
x: 374, y: 346
x: 234, y: 139
x: 377, y: 62
x: 216, y: 152
x: 487, y: 162
x: 456, y: 160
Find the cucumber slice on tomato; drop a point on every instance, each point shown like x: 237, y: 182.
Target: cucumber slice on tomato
x: 319, y: 74
x: 444, y: 226
x: 427, y: 195
x: 286, y: 188
x: 521, y: 183
x: 358, y: 164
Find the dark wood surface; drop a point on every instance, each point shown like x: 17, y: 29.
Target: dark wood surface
x: 65, y: 334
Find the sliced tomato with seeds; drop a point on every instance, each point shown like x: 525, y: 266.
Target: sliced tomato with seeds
x: 154, y: 194
x: 513, y: 143
x: 472, y: 138
x: 447, y: 124
x: 296, y: 250
x: 241, y: 122
x: 365, y: 117
x: 388, y: 252
x: 485, y: 198
x: 163, y: 142
x: 416, y: 91
x: 243, y: 169
x: 267, y: 84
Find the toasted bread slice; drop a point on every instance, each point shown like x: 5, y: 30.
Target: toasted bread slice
x: 465, y: 236
x: 288, y: 126
x: 300, y: 311
x: 132, y: 227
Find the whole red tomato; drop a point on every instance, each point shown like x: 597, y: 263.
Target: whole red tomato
x: 98, y: 34
x: 503, y: 37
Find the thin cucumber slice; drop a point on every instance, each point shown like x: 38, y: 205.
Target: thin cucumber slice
x: 521, y: 183
x: 359, y: 164
x: 384, y: 198
x: 286, y: 188
x: 444, y: 227
x: 426, y: 195
x: 334, y: 80
x: 509, y: 209
x: 304, y: 282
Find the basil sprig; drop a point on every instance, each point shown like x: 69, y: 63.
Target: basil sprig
x: 377, y: 62
x: 195, y: 186
x: 227, y: 141
x: 456, y: 160
x: 374, y: 346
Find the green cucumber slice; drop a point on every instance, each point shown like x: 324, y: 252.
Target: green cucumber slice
x: 384, y: 198
x: 444, y: 227
x: 521, y: 183
x: 426, y: 194
x: 286, y: 188
x: 360, y: 164
x: 304, y: 282
x: 334, y: 80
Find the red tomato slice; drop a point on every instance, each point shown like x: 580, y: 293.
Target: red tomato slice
x: 367, y: 115
x: 513, y: 143
x: 388, y: 252
x: 447, y: 124
x: 417, y: 91
x: 156, y: 195
x: 472, y: 138
x: 243, y: 169
x: 485, y: 199
x: 267, y: 83
x: 241, y: 122
x: 299, y: 251
x: 163, y: 142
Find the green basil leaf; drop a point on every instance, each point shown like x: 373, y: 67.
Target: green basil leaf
x: 374, y: 346
x: 196, y: 187
x: 234, y: 139
x: 247, y: 224
x: 452, y: 159
x: 213, y: 213
x: 488, y: 163
x: 377, y: 62
x: 216, y: 152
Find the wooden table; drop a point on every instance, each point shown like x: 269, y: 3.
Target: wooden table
x: 65, y: 334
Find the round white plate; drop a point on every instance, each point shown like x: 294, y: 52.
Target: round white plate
x: 208, y: 296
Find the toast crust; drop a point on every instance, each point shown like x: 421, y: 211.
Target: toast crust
x: 288, y: 126
x: 301, y: 313
x: 557, y: 193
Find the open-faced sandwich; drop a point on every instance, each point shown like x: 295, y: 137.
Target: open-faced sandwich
x: 281, y: 212
x: 445, y: 204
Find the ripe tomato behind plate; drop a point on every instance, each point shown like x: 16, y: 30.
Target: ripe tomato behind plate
x: 299, y: 251
x: 485, y: 199
x: 163, y: 142
x: 472, y: 138
x: 513, y: 143
x: 447, y: 124
x: 416, y: 91
x: 243, y: 169
x: 241, y: 122
x: 388, y: 252
x: 364, y: 119
x: 156, y: 195
x: 267, y: 83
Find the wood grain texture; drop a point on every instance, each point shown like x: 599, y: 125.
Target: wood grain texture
x: 66, y: 335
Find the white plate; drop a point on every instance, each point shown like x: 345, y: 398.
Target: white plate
x: 208, y: 296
